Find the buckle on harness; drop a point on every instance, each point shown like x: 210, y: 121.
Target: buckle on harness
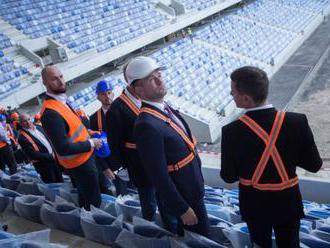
x: 176, y: 167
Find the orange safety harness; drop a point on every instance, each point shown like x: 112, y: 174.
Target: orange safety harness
x: 190, y: 143
x: 99, y: 120
x: 270, y: 151
x: 130, y: 104
x: 34, y: 145
x: 11, y: 135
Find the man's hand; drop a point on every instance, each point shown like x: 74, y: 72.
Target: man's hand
x: 97, y: 143
x: 189, y: 218
x: 108, y: 173
x: 91, y: 132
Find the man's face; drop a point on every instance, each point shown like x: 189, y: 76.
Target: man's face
x: 152, y: 88
x: 25, y: 121
x: 106, y: 98
x: 238, y: 97
x: 54, y: 81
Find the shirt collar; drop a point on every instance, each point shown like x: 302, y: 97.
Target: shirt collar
x: 105, y: 110
x: 160, y: 106
x: 267, y: 106
x: 136, y: 101
x: 60, y: 97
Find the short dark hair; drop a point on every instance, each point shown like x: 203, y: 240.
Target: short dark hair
x: 251, y: 81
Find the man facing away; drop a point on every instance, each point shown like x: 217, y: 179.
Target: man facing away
x: 261, y: 150
x: 73, y: 146
x: 168, y: 149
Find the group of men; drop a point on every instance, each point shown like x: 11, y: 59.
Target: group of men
x: 152, y: 145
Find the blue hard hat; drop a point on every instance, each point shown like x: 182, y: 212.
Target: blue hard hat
x: 103, y: 86
x: 3, y: 117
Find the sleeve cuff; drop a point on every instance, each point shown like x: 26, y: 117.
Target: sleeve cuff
x: 91, y: 142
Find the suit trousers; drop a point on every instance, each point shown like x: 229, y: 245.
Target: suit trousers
x: 286, y: 234
x: 49, y: 172
x: 7, y: 158
x: 86, y: 180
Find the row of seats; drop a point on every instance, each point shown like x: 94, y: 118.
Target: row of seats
x: 27, y: 194
x: 84, y: 25
x: 10, y: 75
x: 314, y: 6
x: 279, y: 14
x: 246, y: 37
x: 198, y: 5
x: 5, y: 42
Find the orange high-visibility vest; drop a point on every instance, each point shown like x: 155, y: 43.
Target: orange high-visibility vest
x: 34, y: 145
x: 131, y: 105
x: 190, y: 143
x: 77, y: 133
x: 99, y: 120
x: 11, y: 135
x: 270, y: 151
x: 3, y: 143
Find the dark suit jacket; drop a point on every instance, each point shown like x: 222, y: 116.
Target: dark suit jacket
x: 103, y: 163
x: 43, y: 156
x: 119, y: 126
x: 159, y: 145
x: 57, y: 131
x: 93, y: 121
x: 241, y: 150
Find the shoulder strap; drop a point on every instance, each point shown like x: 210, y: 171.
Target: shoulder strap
x: 129, y: 103
x: 28, y: 137
x: 160, y: 116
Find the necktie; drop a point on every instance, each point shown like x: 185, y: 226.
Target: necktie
x: 175, y: 119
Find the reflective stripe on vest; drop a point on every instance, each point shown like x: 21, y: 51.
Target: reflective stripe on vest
x: 77, y: 133
x: 191, y: 144
x: 99, y: 120
x: 130, y: 145
x: 34, y: 145
x: 11, y: 134
x: 270, y: 151
x: 129, y: 103
x: 2, y: 144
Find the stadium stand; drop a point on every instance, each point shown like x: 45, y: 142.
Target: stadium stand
x: 198, y: 5
x: 279, y: 14
x: 104, y: 226
x: 83, y: 25
x: 11, y: 72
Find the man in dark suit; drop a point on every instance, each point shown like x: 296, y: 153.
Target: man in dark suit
x: 124, y: 157
x: 97, y: 123
x: 261, y: 150
x: 70, y: 138
x: 37, y: 147
x: 168, y: 149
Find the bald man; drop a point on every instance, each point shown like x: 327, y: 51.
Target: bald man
x: 70, y: 138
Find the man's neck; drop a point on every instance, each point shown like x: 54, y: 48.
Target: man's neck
x: 105, y: 107
x: 132, y: 92
x: 161, y: 100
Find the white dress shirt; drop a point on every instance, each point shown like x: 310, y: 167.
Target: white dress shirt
x: 41, y: 137
x: 161, y: 107
x: 136, y: 101
x: 267, y: 106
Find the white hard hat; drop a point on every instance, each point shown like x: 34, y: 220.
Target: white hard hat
x: 140, y: 67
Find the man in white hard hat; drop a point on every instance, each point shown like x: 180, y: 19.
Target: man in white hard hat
x: 120, y: 119
x: 167, y: 149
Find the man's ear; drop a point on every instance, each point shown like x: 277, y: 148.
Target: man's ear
x: 248, y: 100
